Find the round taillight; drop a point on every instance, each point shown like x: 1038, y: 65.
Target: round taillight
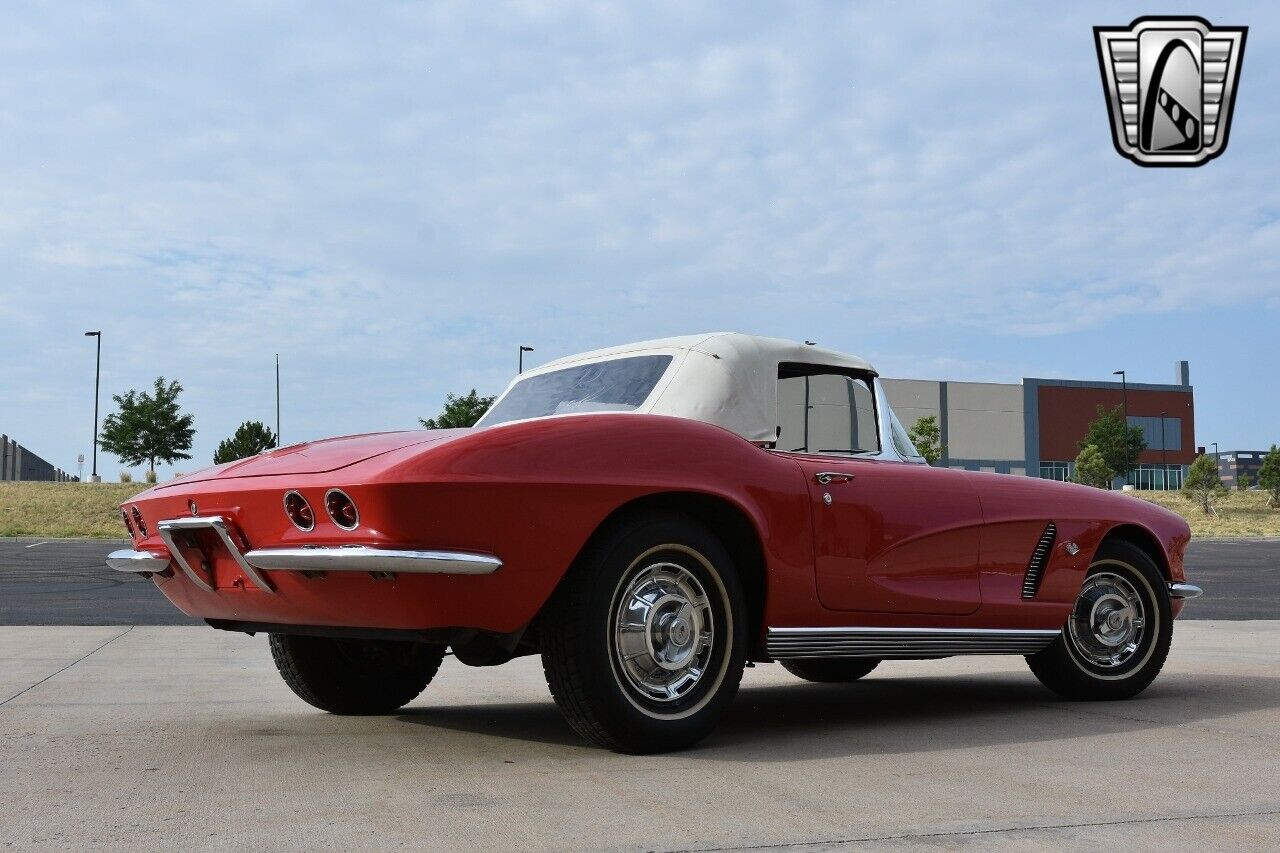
x: 299, y: 511
x: 341, y: 509
x: 128, y: 522
x: 139, y: 523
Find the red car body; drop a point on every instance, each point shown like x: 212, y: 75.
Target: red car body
x: 897, y: 545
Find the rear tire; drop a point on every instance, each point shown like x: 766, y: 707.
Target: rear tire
x: 643, y: 643
x: 830, y: 670
x: 345, y: 676
x: 1117, y: 638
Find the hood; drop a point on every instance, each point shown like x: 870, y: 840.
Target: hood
x: 319, y: 457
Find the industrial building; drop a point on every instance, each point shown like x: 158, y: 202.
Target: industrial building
x: 1233, y: 463
x: 1034, y: 427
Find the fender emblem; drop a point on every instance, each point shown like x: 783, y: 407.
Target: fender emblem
x: 1072, y: 548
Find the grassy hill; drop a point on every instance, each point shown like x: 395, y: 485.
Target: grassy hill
x: 1239, y: 513
x: 64, y: 509
x: 90, y: 509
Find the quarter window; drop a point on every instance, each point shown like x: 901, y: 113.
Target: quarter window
x: 821, y: 410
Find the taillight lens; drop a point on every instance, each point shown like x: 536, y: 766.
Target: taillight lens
x: 128, y: 523
x: 299, y: 511
x: 341, y: 509
x: 139, y: 523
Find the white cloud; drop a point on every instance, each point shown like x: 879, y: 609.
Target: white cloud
x: 394, y: 198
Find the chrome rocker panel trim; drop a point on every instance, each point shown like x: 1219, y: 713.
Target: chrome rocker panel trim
x: 218, y: 524
x: 786, y: 643
x: 361, y: 558
x: 136, y: 561
x: 1184, y: 590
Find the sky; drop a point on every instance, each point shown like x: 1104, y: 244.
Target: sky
x: 395, y: 197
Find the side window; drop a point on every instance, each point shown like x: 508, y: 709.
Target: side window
x: 821, y: 410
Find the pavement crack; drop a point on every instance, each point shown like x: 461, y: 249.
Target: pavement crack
x: 908, y: 836
x: 67, y: 667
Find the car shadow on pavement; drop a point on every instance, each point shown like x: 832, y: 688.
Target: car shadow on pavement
x: 887, y: 715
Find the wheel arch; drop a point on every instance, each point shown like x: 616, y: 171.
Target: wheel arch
x: 1144, y: 540
x: 727, y: 520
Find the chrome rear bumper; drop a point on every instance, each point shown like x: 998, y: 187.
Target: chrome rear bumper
x: 361, y: 558
x: 137, y: 561
x: 1184, y: 590
x: 339, y: 558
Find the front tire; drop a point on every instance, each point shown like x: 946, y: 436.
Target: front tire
x: 830, y: 670
x: 643, y: 644
x: 1117, y: 638
x: 347, y: 676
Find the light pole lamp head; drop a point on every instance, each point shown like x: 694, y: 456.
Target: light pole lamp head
x: 525, y: 348
x: 93, y: 334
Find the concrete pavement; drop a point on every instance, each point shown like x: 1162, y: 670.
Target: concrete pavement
x: 175, y: 737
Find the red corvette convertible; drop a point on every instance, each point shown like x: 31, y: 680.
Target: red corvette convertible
x: 649, y: 518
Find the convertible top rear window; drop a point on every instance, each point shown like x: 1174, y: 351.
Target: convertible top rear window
x: 619, y: 385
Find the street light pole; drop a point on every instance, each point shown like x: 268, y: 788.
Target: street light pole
x: 1164, y: 453
x: 278, y: 442
x: 1124, y: 396
x: 97, y: 377
x: 523, y: 350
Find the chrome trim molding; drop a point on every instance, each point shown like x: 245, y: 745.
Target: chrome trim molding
x: 784, y: 643
x: 136, y: 561
x: 217, y: 524
x: 1184, y: 590
x: 361, y: 558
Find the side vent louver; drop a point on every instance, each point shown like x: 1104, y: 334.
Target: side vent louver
x: 1035, y: 568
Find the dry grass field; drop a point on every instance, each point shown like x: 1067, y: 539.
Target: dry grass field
x: 64, y: 509
x: 90, y: 509
x: 1239, y: 513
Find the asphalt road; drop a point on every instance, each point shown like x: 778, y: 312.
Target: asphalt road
x: 176, y: 738
x: 66, y: 582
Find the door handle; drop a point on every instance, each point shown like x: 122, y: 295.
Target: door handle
x: 825, y: 477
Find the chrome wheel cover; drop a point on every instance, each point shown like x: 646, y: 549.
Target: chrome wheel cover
x: 1108, y: 622
x: 663, y: 632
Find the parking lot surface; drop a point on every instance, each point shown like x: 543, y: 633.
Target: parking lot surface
x: 66, y: 582
x: 133, y: 738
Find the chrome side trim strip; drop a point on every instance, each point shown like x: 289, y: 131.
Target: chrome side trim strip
x: 136, y: 561
x: 361, y: 558
x: 217, y: 524
x: 784, y: 643
x: 1184, y: 590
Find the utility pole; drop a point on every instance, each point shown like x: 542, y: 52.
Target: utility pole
x: 97, y: 377
x: 279, y: 443
x: 523, y: 350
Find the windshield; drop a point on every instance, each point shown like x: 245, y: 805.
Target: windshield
x: 620, y: 385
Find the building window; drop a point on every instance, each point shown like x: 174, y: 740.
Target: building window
x: 1151, y: 432
x: 1060, y: 471
x: 1156, y: 477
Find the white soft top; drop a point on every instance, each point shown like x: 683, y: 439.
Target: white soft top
x: 722, y: 378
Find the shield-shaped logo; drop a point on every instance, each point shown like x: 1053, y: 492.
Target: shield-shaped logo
x: 1170, y: 86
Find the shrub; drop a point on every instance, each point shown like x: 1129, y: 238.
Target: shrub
x: 1203, y: 484
x: 1092, y: 469
x: 151, y: 476
x: 126, y: 477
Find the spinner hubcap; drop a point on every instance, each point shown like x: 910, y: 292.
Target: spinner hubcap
x: 663, y: 632
x: 1109, y: 620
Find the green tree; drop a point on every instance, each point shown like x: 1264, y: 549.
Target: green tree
x: 1243, y: 482
x: 1203, y: 484
x: 459, y: 411
x: 1119, y: 443
x: 1269, y: 476
x: 249, y: 439
x: 1092, y: 468
x: 926, y: 435
x: 148, y: 428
